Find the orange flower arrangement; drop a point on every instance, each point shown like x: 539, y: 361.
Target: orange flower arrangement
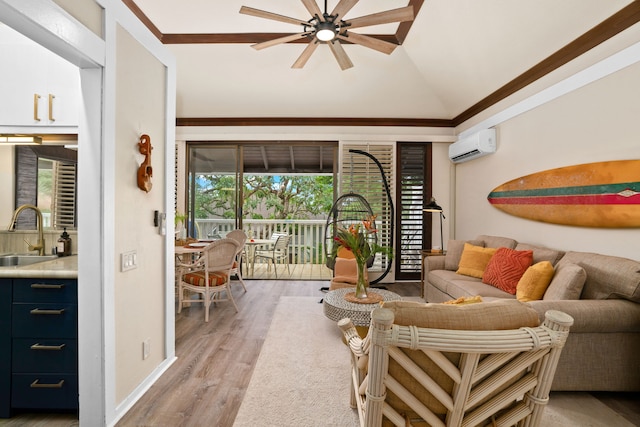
x: 356, y: 239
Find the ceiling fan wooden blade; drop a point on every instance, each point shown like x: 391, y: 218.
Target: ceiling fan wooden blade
x: 370, y: 42
x: 313, y: 9
x: 341, y: 56
x: 306, y: 54
x: 342, y: 8
x: 245, y: 10
x: 279, y: 40
x: 395, y: 15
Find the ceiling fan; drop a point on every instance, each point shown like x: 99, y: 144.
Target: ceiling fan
x: 331, y: 29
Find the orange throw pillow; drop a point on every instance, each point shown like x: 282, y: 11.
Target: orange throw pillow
x: 506, y: 268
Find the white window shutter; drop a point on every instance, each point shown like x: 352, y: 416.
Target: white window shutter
x: 63, y: 205
x: 359, y: 174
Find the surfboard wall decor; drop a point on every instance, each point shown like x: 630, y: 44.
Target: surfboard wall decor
x: 602, y: 194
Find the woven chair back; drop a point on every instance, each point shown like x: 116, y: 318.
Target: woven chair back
x: 220, y: 254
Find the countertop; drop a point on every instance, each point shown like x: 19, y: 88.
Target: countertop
x: 60, y: 268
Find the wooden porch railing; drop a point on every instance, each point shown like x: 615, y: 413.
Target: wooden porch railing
x: 307, y: 243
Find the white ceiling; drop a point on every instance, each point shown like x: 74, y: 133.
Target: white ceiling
x: 456, y: 53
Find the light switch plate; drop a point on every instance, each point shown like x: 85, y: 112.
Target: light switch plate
x: 128, y: 260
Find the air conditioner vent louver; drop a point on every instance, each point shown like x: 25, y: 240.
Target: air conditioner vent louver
x: 477, y: 145
x: 463, y: 156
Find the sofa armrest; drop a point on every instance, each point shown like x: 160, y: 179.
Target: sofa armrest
x: 430, y: 263
x: 434, y: 262
x: 611, y: 315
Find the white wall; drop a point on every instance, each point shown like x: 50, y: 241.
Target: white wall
x: 595, y: 123
x: 139, y: 293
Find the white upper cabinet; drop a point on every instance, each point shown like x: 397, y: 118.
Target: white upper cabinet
x: 37, y: 87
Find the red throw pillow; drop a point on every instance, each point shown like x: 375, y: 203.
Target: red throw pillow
x: 506, y: 267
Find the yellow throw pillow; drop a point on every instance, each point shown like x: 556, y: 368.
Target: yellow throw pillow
x: 474, y: 260
x: 534, y: 282
x: 464, y: 300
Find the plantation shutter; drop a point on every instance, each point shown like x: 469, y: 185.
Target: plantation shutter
x: 63, y: 204
x: 359, y: 174
x: 413, y: 189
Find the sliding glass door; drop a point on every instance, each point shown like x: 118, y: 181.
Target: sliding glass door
x: 213, y: 190
x: 264, y: 188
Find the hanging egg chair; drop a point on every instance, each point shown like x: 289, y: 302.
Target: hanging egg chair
x: 352, y: 208
x: 349, y: 209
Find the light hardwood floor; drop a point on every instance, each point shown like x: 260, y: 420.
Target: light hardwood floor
x: 206, y: 385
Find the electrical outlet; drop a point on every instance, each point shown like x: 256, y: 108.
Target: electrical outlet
x: 128, y: 260
x: 146, y: 348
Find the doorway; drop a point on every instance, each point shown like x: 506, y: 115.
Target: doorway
x: 263, y: 188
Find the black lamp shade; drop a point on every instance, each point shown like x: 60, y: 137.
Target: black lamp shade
x: 432, y: 206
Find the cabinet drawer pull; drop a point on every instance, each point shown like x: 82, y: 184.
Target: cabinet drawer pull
x: 41, y: 311
x: 36, y: 384
x: 39, y: 346
x: 51, y: 119
x: 36, y: 98
x: 46, y: 286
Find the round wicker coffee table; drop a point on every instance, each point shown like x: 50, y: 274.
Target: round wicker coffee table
x: 336, y: 307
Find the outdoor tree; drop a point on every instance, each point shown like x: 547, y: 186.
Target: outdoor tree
x: 265, y: 197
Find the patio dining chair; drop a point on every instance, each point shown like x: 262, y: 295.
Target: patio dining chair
x: 210, y: 276
x: 240, y: 237
x: 279, y: 252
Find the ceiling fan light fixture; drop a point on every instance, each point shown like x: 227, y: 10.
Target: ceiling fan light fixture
x: 325, y: 31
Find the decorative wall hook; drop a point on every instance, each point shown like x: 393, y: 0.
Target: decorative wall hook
x: 145, y: 171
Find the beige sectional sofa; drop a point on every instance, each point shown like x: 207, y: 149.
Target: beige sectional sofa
x: 601, y: 293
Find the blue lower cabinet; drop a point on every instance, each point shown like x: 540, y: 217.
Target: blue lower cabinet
x: 44, y: 355
x: 39, y: 358
x: 5, y: 348
x: 44, y: 391
x: 47, y: 320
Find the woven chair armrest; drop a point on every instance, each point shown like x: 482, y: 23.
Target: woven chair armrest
x: 197, y: 263
x: 358, y: 346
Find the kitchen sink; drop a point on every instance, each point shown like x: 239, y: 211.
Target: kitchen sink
x: 14, y: 259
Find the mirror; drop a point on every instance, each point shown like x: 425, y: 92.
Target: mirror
x: 46, y: 177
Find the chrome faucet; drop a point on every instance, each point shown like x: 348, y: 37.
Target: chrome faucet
x: 12, y: 226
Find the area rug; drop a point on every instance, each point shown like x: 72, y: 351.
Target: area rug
x: 301, y: 378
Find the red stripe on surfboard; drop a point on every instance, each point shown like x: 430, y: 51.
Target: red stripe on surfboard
x: 603, y: 199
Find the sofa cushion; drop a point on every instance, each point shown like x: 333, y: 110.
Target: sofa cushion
x: 458, y: 285
x: 541, y: 254
x: 608, y: 276
x: 474, y: 260
x: 454, y: 252
x: 498, y: 315
x: 506, y: 267
x: 497, y: 241
x: 440, y: 279
x: 466, y: 286
x: 567, y: 282
x: 535, y: 281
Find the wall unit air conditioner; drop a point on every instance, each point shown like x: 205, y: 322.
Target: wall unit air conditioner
x: 474, y: 146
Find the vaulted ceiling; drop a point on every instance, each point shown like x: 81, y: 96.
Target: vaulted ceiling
x: 456, y: 58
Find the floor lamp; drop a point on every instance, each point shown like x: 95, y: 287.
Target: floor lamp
x: 434, y: 207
